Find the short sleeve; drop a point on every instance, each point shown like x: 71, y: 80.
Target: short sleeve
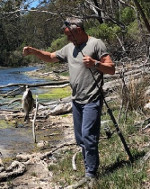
x: 62, y: 54
x: 101, y: 48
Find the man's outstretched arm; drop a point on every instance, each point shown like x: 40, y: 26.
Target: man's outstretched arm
x: 43, y: 55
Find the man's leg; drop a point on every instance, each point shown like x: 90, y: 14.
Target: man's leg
x: 90, y: 135
x: 77, y: 118
x: 87, y: 127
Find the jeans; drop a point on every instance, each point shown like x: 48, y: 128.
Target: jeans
x: 86, y: 119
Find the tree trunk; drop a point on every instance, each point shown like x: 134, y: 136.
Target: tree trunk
x: 142, y: 15
x: 99, y: 12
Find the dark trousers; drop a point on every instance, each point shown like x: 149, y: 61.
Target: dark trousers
x: 87, y: 130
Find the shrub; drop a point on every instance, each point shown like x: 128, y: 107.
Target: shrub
x: 127, y: 15
x: 135, y: 96
x: 133, y: 31
x: 105, y: 32
x: 57, y: 44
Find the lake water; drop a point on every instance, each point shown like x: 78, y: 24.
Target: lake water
x: 16, y: 140
x: 17, y: 75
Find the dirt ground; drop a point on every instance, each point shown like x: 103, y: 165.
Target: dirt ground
x: 36, y: 174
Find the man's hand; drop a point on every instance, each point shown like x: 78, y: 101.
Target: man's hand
x: 88, y: 61
x: 105, y: 64
x: 26, y: 51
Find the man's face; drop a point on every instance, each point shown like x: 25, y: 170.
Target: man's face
x: 72, y: 35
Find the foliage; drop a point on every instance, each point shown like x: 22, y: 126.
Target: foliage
x: 146, y: 6
x: 57, y: 44
x: 56, y: 93
x: 115, y: 170
x: 21, y: 25
x: 137, y: 96
x: 127, y: 15
x: 105, y: 32
x: 133, y: 31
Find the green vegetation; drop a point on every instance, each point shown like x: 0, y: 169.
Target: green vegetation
x: 57, y: 44
x: 123, y: 26
x: 5, y: 124
x: 115, y: 169
x: 42, y: 30
x: 105, y: 31
x: 56, y: 93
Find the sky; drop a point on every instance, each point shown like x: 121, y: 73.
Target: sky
x: 34, y: 4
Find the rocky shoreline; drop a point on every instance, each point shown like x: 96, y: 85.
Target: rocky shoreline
x: 31, y: 175
x: 25, y: 170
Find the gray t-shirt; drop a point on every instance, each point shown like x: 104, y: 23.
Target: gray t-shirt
x: 84, y: 87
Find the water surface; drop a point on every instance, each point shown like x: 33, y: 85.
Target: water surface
x: 17, y: 75
x: 17, y: 140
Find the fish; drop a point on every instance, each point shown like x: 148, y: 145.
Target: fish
x: 27, y: 103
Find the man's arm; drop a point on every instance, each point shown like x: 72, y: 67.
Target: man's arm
x: 104, y: 65
x: 43, y: 55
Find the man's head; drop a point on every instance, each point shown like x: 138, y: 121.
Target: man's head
x: 73, y: 23
x: 74, y: 30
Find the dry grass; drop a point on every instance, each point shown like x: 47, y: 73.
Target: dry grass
x: 134, y: 93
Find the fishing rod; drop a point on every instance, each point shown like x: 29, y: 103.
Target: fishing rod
x: 114, y: 122
x: 67, y: 23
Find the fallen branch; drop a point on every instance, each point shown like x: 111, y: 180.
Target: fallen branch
x: 74, y: 162
x: 10, y: 111
x: 146, y: 127
x: 53, y: 134
x: 147, y: 156
x: 34, y: 119
x: 79, y: 183
x: 52, y: 83
x: 12, y: 101
x: 15, y: 92
x: 47, y: 154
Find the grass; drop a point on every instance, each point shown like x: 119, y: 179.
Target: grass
x: 134, y: 93
x: 56, y: 93
x: 115, y: 171
x: 126, y: 177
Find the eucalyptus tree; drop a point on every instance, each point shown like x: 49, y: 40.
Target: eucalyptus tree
x: 38, y: 23
x: 10, y: 28
x: 143, y: 15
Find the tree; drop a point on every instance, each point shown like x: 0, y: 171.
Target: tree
x: 21, y: 24
x: 140, y: 9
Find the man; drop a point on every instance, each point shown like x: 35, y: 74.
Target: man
x: 88, y: 60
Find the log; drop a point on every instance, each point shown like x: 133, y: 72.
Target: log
x: 58, y: 107
x: 15, y: 92
x: 52, y: 83
x: 61, y: 109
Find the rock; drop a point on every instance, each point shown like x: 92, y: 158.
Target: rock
x: 147, y: 106
x: 42, y: 144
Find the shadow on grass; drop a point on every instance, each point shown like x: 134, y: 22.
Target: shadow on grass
x: 119, y: 164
